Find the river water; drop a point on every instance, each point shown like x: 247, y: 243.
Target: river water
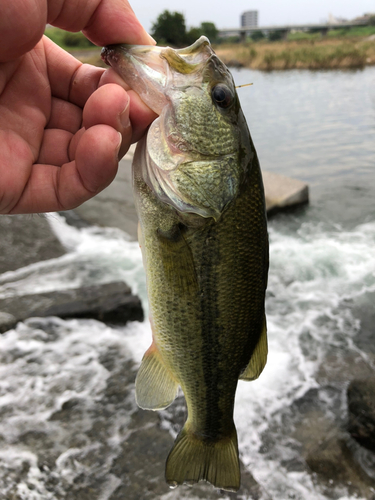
x: 315, y: 126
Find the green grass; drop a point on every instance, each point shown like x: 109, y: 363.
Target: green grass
x: 359, y: 31
x: 67, y: 40
x: 301, y: 35
x: 352, y: 32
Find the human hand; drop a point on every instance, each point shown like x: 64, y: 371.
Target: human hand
x: 63, y: 124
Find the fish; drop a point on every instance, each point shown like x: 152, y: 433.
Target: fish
x: 203, y: 233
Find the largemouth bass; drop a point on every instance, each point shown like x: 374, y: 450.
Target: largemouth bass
x: 203, y: 233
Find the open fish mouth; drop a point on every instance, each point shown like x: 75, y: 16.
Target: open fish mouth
x: 193, y: 145
x: 152, y: 71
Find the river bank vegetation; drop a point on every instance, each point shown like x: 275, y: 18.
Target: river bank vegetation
x: 339, y: 48
x: 324, y: 53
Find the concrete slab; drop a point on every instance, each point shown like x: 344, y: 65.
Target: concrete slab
x: 114, y: 207
x: 283, y: 192
x: 25, y: 239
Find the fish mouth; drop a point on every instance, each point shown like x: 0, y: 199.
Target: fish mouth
x: 151, y: 71
x: 142, y: 69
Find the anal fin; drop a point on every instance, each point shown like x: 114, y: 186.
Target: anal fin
x: 259, y: 357
x: 155, y: 387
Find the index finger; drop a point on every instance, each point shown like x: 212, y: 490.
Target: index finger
x: 103, y: 21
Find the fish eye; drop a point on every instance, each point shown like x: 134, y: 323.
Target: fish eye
x: 222, y: 95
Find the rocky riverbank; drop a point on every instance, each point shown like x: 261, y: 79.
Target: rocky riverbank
x: 92, y: 441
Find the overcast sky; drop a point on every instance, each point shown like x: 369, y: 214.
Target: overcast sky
x: 226, y: 14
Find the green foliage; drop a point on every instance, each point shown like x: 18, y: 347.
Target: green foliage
x: 304, y: 35
x: 257, y: 35
x: 209, y: 30
x: 275, y: 36
x: 355, y: 31
x: 68, y: 40
x: 170, y: 28
x: 229, y: 40
x: 192, y: 35
x: 76, y: 40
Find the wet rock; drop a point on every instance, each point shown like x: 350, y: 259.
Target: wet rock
x: 108, y: 302
x: 327, y: 450
x: 114, y: 206
x: 7, y: 321
x: 73, y: 219
x: 283, y: 193
x: 333, y: 461
x: 361, y: 408
x: 364, y: 309
x: 25, y: 239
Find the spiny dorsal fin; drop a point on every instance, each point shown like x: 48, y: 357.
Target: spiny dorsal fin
x: 259, y: 357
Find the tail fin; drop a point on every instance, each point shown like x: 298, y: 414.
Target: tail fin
x: 193, y: 458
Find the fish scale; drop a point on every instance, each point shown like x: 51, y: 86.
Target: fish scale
x: 199, y: 122
x: 203, y: 235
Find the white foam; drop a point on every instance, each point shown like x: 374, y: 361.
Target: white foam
x: 311, y: 273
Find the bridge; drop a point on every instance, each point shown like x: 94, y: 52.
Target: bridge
x: 243, y: 31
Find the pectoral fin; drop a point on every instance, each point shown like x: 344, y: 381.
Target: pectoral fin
x: 259, y: 357
x: 155, y: 387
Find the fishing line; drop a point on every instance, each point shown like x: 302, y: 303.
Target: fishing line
x: 244, y: 85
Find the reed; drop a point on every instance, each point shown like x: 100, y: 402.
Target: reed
x: 307, y: 53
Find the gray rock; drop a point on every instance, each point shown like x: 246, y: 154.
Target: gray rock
x: 361, y: 408
x: 109, y: 302
x: 364, y: 308
x: 114, y: 206
x: 333, y: 461
x: 326, y: 449
x: 283, y: 192
x: 25, y: 239
x: 7, y: 321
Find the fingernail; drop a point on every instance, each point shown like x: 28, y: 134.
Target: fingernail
x: 124, y: 116
x: 119, y: 144
x: 152, y: 40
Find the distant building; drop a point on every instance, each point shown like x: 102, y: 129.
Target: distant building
x: 335, y: 20
x: 249, y: 18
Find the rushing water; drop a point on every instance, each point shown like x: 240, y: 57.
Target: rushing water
x: 316, y: 126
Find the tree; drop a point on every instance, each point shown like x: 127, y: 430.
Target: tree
x: 275, y: 36
x: 170, y: 28
x: 192, y: 35
x: 257, y: 35
x: 209, y: 30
